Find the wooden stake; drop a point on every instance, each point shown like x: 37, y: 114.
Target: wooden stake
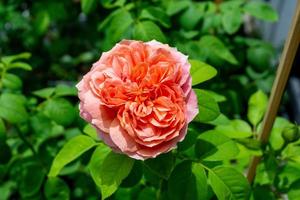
x: 284, y: 68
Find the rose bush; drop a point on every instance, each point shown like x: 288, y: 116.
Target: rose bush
x: 139, y: 98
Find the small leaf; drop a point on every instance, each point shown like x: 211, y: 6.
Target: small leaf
x: 156, y: 14
x: 114, y: 169
x: 201, y: 71
x: 235, y: 129
x: 9, y: 59
x: 44, y: 93
x: 161, y: 165
x: 12, y: 81
x: 208, y: 107
x: 294, y: 191
x: 60, y: 110
x: 12, y: 108
x: 218, y: 97
x: 147, y: 193
x: 56, y: 189
x: 91, y: 131
x: 257, y: 106
x: 187, y: 181
x: 261, y: 10
x: 176, y: 6
x: 96, y: 162
x: 20, y: 65
x: 214, y: 146
x: 147, y: 30
x: 232, y: 20
x: 65, y: 90
x: 70, y: 151
x: 215, y: 46
x: 227, y: 183
x: 32, y: 180
x: 88, y: 5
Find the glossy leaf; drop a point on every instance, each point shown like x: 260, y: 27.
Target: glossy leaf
x: 114, y: 169
x: 208, y: 107
x: 70, y: 151
x: 235, y: 129
x: 201, y: 71
x: 227, y: 183
x: 214, y: 146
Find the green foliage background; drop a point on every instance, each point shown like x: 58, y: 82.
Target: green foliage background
x: 48, y: 152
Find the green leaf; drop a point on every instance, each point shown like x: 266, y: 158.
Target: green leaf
x: 147, y: 30
x: 215, y: 46
x: 114, y: 169
x: 134, y: 176
x: 20, y: 65
x: 2, y: 130
x: 227, y: 183
x: 276, y: 140
x: 187, y: 181
x: 112, y: 3
x: 208, y: 107
x: 60, y: 110
x: 201, y: 71
x: 44, y: 93
x: 147, y: 193
x: 218, y: 97
x: 70, y: 151
x: 96, y: 162
x: 191, y: 16
x: 12, y: 108
x: 214, y: 146
x: 117, y: 25
x: 5, y: 152
x: 32, y: 179
x: 12, y: 81
x: 56, y: 189
x: 9, y: 59
x: 235, y: 129
x: 232, y: 20
x: 88, y: 5
x: 176, y: 6
x: 161, y: 165
x: 294, y: 191
x: 42, y: 22
x: 261, y: 10
x: 65, y: 90
x: 257, y: 106
x: 91, y: 131
x: 156, y: 14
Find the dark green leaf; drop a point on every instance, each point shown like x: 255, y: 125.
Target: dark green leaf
x: 70, y: 151
x: 56, y: 189
x: 147, y: 193
x: 32, y: 179
x: 161, y: 165
x: 294, y: 191
x: 187, y: 181
x: 156, y: 14
x: 88, y: 5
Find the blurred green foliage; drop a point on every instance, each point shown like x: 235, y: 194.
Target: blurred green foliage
x: 48, y: 152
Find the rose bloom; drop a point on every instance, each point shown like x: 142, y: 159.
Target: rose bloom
x: 139, y: 98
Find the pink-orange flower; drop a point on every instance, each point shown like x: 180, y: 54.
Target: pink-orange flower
x: 139, y: 98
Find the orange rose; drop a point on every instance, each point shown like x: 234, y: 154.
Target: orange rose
x: 139, y: 98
